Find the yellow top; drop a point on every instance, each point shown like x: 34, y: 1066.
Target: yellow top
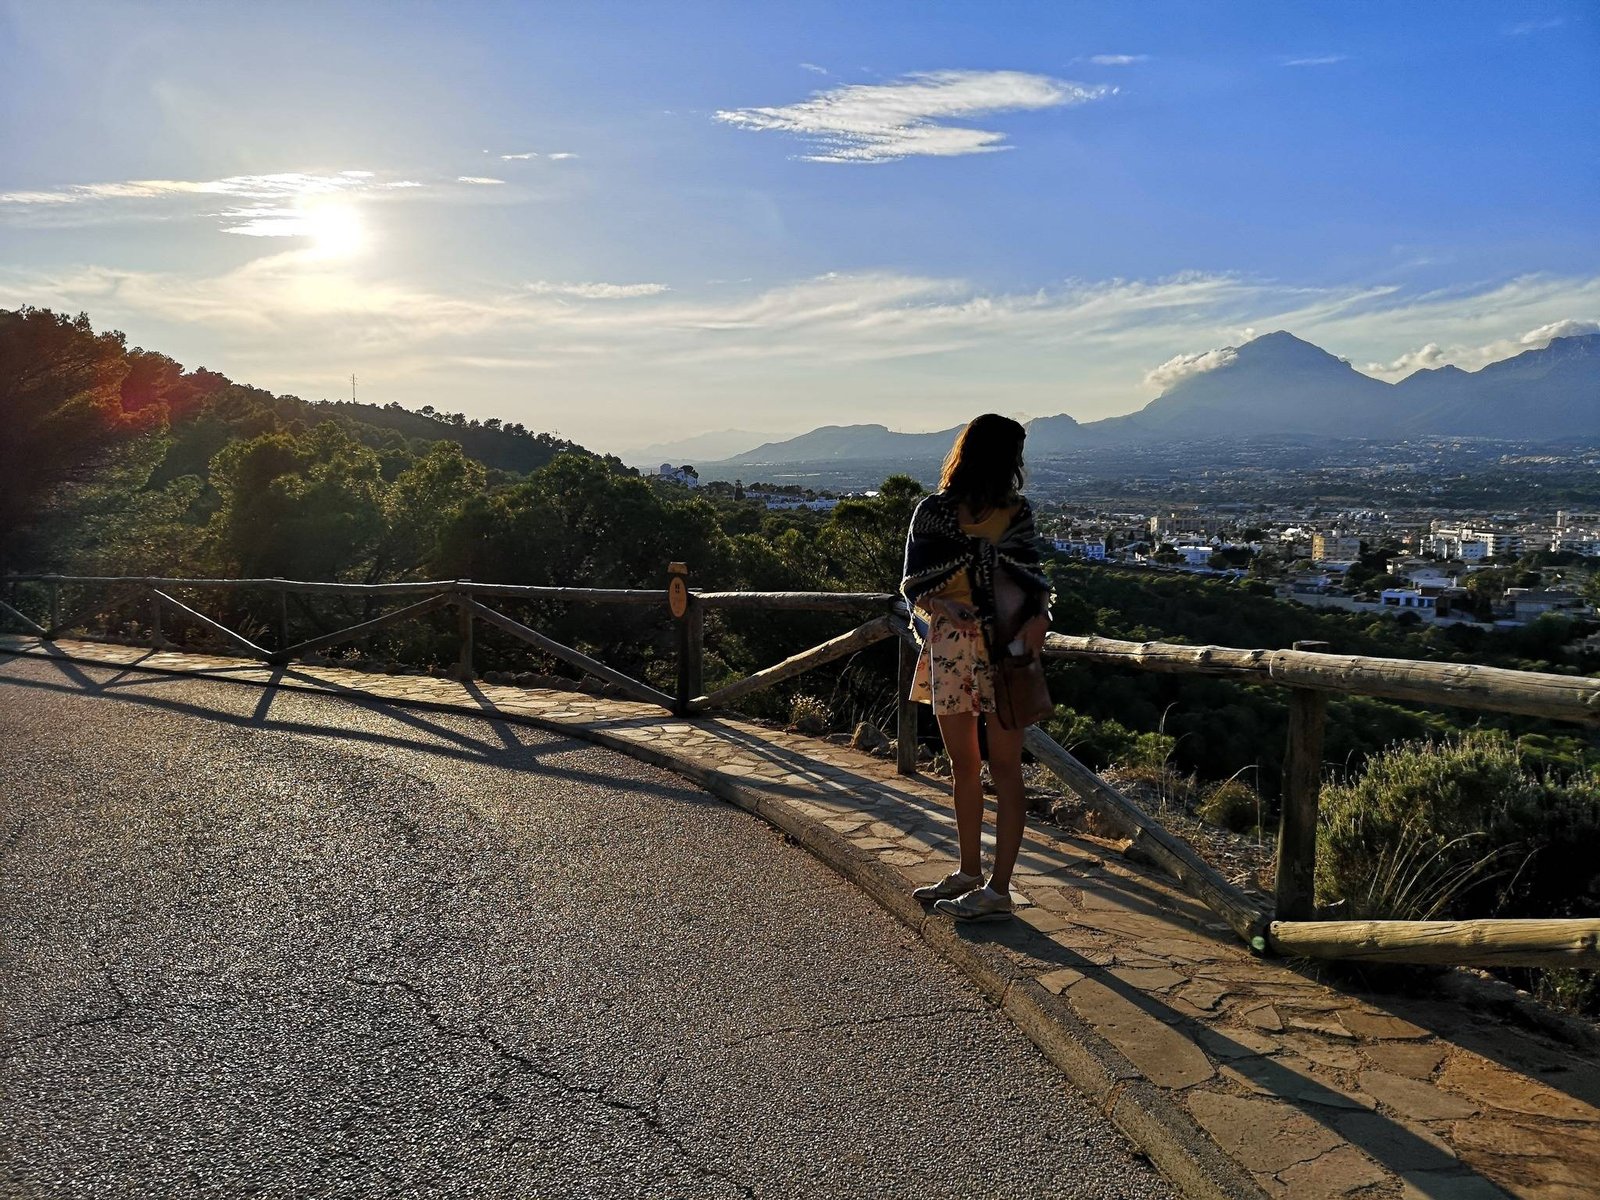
x: 992, y: 527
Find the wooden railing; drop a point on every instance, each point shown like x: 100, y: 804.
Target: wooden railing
x: 687, y: 608
x: 1309, y: 674
x: 1310, y: 677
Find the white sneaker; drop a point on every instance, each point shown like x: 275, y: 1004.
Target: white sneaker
x: 980, y: 904
x: 952, y: 885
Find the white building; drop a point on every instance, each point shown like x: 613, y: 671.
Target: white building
x: 687, y: 476
x: 1093, y: 550
x: 1421, y: 574
x: 1458, y: 545
x: 1498, y: 543
x: 1407, y: 598
x: 1578, y: 543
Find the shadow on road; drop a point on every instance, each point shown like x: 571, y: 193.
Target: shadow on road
x: 508, y: 749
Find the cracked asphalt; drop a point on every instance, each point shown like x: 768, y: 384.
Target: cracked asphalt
x: 268, y: 944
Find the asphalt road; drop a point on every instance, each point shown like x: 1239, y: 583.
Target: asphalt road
x: 267, y: 944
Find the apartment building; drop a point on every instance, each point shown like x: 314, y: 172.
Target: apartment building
x: 1335, y: 547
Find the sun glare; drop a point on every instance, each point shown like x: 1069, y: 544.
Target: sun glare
x: 336, y: 230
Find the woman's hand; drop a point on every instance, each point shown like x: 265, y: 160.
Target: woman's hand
x: 964, y: 615
x: 1033, y: 632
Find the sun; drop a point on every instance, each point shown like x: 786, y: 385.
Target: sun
x: 335, y: 230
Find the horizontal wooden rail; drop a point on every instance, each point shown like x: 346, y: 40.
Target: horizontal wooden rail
x: 776, y: 601
x: 845, y: 644
x: 1465, y: 685
x: 799, y: 601
x: 641, y: 596
x: 1502, y: 943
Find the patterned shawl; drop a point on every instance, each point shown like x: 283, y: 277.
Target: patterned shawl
x: 937, y: 547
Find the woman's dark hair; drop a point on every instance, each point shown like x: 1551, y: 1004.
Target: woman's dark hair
x: 984, y: 467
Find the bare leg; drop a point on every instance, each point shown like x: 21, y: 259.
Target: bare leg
x: 1005, y: 768
x: 960, y: 733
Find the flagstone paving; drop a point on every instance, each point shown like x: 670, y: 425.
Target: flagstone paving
x: 1142, y: 995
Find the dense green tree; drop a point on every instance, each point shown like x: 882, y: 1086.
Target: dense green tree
x: 61, y: 411
x: 864, y: 539
x: 577, y: 521
x: 418, y: 506
x: 310, y: 507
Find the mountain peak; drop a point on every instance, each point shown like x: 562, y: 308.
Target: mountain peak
x: 1427, y: 377
x: 1280, y: 343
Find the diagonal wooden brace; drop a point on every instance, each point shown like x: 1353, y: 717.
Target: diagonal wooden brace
x: 842, y: 646
x: 237, y: 639
x: 577, y: 658
x: 354, y: 632
x: 35, y: 628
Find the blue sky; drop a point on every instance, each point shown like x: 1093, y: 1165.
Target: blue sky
x: 633, y: 222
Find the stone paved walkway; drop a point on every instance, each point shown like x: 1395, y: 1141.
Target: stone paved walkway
x: 1143, y: 997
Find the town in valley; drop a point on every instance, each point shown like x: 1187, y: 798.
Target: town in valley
x: 1433, y: 529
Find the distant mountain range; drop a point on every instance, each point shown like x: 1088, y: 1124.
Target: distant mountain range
x: 690, y: 450
x: 1279, y: 385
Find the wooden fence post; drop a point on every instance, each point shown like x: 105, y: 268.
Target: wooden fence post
x: 694, y: 650
x: 156, y: 638
x: 1296, y: 875
x: 55, y: 607
x: 905, y: 710
x: 283, y: 619
x: 464, y: 616
x: 690, y: 615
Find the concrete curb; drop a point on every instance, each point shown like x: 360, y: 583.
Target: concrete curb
x: 1154, y: 1122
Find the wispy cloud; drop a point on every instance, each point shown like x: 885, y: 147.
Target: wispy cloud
x: 286, y: 185
x: 1524, y: 28
x: 268, y: 205
x: 477, y: 179
x: 596, y: 291
x: 884, y: 122
x: 1318, y: 60
x: 1118, y: 60
x: 814, y: 68
x: 516, y: 157
x: 561, y: 156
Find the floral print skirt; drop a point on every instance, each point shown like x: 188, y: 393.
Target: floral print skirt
x: 953, y: 672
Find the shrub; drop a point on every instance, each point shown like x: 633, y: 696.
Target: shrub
x: 1233, y: 805
x: 1102, y: 742
x: 807, y: 714
x: 1459, y: 829
x: 1156, y: 787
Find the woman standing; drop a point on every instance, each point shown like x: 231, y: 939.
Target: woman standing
x: 972, y: 570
